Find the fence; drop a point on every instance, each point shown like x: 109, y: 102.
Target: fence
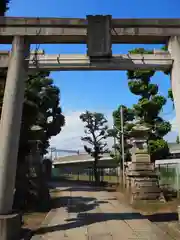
x: 109, y: 175
x: 169, y: 174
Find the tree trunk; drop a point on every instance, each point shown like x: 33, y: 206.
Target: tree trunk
x: 96, y: 174
x: 121, y: 178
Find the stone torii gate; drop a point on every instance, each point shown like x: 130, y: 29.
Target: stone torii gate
x: 99, y: 33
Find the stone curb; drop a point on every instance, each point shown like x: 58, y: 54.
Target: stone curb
x: 46, y: 221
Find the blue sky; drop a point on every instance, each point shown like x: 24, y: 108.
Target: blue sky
x: 99, y: 91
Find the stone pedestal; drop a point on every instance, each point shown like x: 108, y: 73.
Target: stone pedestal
x: 10, y: 227
x: 143, y: 182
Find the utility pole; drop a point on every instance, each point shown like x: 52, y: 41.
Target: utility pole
x: 114, y: 138
x: 115, y: 153
x: 52, y: 154
x: 52, y: 149
x: 122, y: 141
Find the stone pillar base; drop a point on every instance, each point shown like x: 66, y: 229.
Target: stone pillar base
x: 10, y: 227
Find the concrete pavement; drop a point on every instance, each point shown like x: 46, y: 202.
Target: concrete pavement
x: 88, y: 214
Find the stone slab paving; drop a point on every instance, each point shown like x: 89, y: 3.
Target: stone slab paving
x: 88, y: 214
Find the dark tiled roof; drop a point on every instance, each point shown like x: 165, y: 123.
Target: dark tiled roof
x: 174, y: 147
x: 77, y: 157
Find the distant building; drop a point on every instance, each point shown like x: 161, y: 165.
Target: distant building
x: 173, y: 158
x: 174, y: 149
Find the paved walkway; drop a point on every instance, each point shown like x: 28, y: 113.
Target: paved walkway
x: 87, y: 214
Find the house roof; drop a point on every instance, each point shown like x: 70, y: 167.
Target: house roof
x: 174, y: 147
x: 167, y: 161
x: 79, y: 157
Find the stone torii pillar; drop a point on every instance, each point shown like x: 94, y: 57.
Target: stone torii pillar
x: 10, y: 131
x: 174, y: 49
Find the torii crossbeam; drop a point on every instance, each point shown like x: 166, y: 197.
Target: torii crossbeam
x: 74, y: 30
x: 72, y: 62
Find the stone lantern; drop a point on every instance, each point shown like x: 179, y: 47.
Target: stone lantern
x: 139, y: 151
x: 35, y: 157
x: 142, y: 180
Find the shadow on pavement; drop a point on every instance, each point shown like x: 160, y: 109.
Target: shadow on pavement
x: 76, y: 204
x: 163, y: 217
x: 81, y: 205
x: 84, y: 219
x: 75, y: 186
x: 84, y: 189
x: 80, y: 185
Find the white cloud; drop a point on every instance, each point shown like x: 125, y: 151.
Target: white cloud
x: 70, y: 136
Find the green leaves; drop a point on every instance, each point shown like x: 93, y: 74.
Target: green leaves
x: 149, y: 106
x: 112, y: 132
x: 170, y: 95
x: 140, y: 51
x: 4, y: 6
x: 149, y: 109
x: 128, y: 115
x: 41, y: 91
x: 141, y: 74
x: 96, y: 132
x: 136, y: 87
x: 162, y: 128
x: 41, y: 107
x: 158, y: 148
x: 152, y: 89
